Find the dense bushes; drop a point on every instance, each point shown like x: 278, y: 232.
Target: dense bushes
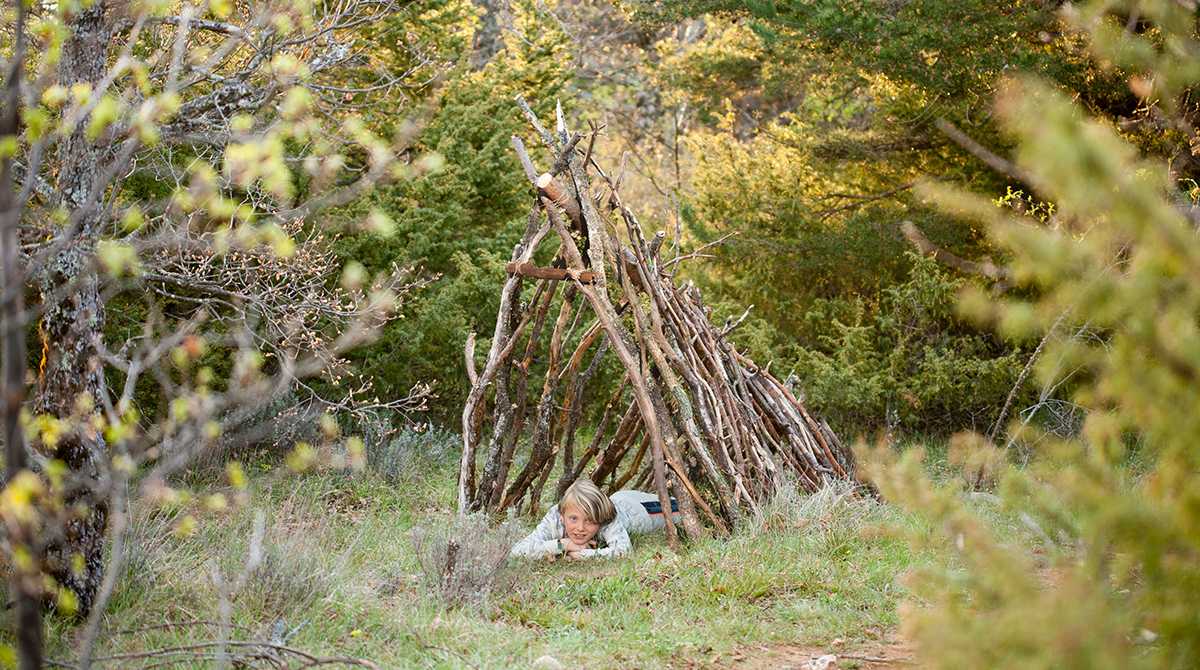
x: 813, y: 121
x: 910, y: 363
x: 411, y: 451
x: 1112, y: 581
x: 808, y: 159
x: 462, y: 558
x: 461, y: 223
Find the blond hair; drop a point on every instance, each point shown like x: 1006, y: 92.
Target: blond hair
x: 584, y: 495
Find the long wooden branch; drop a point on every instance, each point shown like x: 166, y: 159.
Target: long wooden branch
x: 521, y: 253
x: 560, y: 274
x: 543, y: 450
x: 922, y: 244
x: 621, y: 344
x: 540, y: 308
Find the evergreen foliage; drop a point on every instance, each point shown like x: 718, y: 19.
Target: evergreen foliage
x: 461, y: 223
x: 805, y: 130
x: 1112, y: 580
x: 816, y: 118
x: 912, y: 362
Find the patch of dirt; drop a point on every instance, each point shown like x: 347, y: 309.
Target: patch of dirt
x: 890, y: 653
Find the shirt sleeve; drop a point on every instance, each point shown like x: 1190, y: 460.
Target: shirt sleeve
x: 617, y: 539
x: 543, y: 541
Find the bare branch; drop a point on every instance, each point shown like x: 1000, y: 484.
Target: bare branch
x: 922, y: 244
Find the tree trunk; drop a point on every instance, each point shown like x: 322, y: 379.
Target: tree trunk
x: 489, y: 37
x: 74, y: 316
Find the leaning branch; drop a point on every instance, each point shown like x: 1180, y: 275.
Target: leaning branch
x: 922, y: 244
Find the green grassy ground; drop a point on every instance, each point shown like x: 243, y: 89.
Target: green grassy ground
x: 340, y: 573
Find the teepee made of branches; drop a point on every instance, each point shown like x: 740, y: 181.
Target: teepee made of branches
x: 691, y: 417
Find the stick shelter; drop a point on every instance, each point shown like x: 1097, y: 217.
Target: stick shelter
x: 691, y: 418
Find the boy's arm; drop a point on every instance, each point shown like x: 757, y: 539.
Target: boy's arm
x: 543, y: 541
x: 617, y: 539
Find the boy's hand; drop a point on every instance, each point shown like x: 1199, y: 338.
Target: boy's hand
x: 571, y: 550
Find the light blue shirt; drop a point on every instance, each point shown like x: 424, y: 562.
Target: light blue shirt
x: 632, y: 517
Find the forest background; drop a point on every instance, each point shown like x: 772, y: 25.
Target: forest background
x: 796, y: 131
x: 801, y: 136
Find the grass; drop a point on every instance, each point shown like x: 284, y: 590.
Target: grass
x: 340, y: 577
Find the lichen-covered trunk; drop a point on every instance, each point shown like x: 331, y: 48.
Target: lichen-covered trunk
x: 73, y: 316
x: 489, y: 35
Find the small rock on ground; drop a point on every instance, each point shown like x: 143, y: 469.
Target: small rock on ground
x: 826, y: 662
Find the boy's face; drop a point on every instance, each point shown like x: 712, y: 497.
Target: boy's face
x: 580, y: 528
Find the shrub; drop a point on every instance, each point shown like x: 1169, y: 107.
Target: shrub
x: 838, y: 504
x: 275, y: 427
x: 460, y: 223
x: 462, y: 560
x: 413, y: 449
x: 1113, y: 580
x: 290, y: 578
x: 913, y: 364
x: 148, y: 546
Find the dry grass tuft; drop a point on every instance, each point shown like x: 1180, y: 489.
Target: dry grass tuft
x: 463, y: 558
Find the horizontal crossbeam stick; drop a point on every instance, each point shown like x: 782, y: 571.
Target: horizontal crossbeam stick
x: 539, y: 272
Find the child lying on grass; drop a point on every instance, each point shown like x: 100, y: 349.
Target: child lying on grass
x: 588, y: 524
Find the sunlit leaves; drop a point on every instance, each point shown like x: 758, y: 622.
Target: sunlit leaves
x: 353, y: 276
x: 296, y: 104
x: 132, y: 220
x: 185, y: 526
x: 104, y: 114
x: 288, y: 66
x: 19, y: 498
x: 1163, y: 61
x: 430, y: 162
x: 152, y: 8
x: 119, y: 259
x: 37, y: 123
x: 236, y: 475
x: 194, y: 346
x: 66, y: 601
x: 125, y: 428
x: 50, y: 32
x: 329, y: 426
x: 247, y: 367
x: 356, y: 453
x: 55, y: 96
x: 301, y: 458
x: 380, y: 223
x: 246, y: 163
x: 1110, y: 280
x: 220, y: 9
x: 215, y: 502
x: 152, y: 113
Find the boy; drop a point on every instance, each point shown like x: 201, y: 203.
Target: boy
x: 588, y: 524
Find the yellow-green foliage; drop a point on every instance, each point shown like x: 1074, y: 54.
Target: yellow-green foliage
x: 1114, y: 578
x: 815, y: 117
x: 909, y: 364
x: 460, y: 223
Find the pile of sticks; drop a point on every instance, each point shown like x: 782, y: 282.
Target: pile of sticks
x: 691, y: 416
